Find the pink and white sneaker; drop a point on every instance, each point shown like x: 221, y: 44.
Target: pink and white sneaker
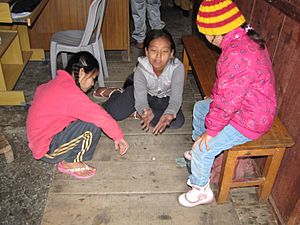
x: 188, y: 155
x: 196, y: 196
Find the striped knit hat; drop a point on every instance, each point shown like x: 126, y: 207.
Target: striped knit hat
x: 217, y: 17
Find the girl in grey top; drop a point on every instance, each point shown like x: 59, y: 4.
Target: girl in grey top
x: 156, y: 93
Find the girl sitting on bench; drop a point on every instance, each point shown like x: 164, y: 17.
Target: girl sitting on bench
x: 243, y: 103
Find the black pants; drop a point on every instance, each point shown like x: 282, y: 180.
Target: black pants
x: 76, y: 143
x: 121, y: 105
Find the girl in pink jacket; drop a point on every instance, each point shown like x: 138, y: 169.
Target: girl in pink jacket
x: 64, y: 125
x: 243, y: 102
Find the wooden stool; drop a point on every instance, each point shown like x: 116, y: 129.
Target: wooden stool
x: 271, y: 145
x: 6, y: 149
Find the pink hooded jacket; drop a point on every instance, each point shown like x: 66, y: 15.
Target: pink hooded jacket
x: 58, y: 103
x: 244, y: 92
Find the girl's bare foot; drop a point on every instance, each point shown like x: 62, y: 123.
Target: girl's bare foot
x: 80, y: 168
x: 106, y: 92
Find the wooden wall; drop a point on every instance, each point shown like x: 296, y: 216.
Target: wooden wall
x: 278, y: 22
x: 61, y: 15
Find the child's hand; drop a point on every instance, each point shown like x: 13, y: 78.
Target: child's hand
x: 122, y: 145
x: 201, y: 140
x: 163, y: 122
x: 147, y: 117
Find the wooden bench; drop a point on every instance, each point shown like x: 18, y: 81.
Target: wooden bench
x: 202, y: 61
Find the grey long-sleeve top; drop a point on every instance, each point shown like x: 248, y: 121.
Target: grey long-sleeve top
x: 169, y: 83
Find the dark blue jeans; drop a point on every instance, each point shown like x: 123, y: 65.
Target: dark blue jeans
x: 121, y: 105
x: 76, y: 143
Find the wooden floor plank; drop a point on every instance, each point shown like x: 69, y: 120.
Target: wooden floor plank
x: 137, y: 209
x: 163, y: 139
x: 127, y: 178
x: 133, y: 127
x: 142, y: 150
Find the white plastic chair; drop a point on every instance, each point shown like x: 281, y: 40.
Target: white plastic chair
x: 73, y: 41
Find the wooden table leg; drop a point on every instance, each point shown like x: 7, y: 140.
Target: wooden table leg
x: 37, y: 54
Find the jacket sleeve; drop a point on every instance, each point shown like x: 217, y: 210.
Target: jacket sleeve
x: 140, y: 91
x: 177, y: 84
x: 232, y: 84
x: 82, y: 108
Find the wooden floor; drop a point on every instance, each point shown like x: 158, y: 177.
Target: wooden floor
x: 142, y: 187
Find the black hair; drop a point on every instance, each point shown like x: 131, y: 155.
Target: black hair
x: 80, y: 60
x: 158, y: 33
x: 150, y: 36
x: 254, y: 36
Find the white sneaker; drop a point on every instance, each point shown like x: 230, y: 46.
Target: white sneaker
x: 188, y: 155
x: 196, y: 196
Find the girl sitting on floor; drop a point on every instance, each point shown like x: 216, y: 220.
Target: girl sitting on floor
x: 156, y: 93
x: 64, y: 125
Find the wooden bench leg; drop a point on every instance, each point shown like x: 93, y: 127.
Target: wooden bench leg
x: 185, y: 61
x: 226, y: 175
x: 270, y: 171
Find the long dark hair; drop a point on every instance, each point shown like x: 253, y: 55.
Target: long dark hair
x: 159, y: 33
x: 150, y: 36
x: 254, y: 36
x: 80, y: 60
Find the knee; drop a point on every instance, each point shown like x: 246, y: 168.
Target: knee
x: 197, y: 109
x: 202, y: 106
x: 200, y: 155
x: 178, y: 122
x: 93, y: 132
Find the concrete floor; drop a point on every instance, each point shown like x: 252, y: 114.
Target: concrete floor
x: 133, y: 189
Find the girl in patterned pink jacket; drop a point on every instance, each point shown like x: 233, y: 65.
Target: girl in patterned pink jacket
x: 243, y: 102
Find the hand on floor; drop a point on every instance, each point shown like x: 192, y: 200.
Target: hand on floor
x: 122, y: 145
x: 162, y: 124
x: 147, y: 117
